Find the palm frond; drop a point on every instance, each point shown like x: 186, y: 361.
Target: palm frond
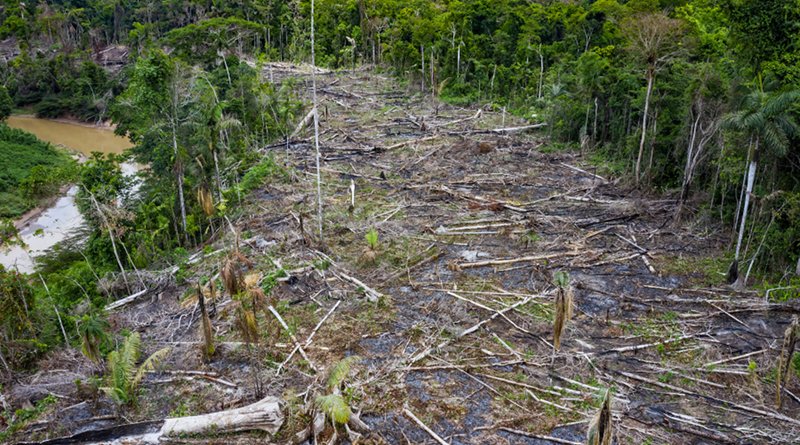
x: 149, y: 364
x: 335, y: 407
x: 774, y: 139
x: 754, y: 121
x: 228, y: 122
x: 733, y: 121
x: 781, y: 103
x: 340, y: 371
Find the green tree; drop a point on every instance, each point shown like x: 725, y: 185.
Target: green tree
x: 6, y: 104
x: 765, y: 119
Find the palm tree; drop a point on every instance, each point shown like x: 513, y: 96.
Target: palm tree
x: 765, y: 119
x: 92, y: 329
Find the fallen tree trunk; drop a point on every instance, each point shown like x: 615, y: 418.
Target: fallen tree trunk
x: 265, y: 415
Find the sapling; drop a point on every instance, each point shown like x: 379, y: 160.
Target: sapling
x: 371, y: 251
x: 123, y: 375
x: 334, y: 405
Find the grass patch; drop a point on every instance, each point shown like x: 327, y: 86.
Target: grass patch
x: 701, y: 271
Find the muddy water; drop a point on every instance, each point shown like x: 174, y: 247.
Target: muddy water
x: 62, y: 219
x: 79, y: 137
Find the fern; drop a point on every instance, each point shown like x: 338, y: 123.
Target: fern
x: 124, y: 377
x: 150, y: 364
x: 335, y: 407
x: 340, y: 372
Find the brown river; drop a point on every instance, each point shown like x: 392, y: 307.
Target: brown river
x: 62, y: 219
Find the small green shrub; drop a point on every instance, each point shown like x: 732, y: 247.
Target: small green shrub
x: 124, y: 376
x: 261, y: 174
x: 372, y: 239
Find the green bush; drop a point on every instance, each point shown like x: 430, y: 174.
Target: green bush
x: 261, y: 174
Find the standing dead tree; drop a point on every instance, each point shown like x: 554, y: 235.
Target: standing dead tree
x: 655, y: 39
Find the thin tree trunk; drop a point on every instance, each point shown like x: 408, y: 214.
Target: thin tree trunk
x: 650, y: 80
x: 594, y: 124
x: 758, y: 250
x: 687, y: 170
x: 653, y: 141
x: 316, y: 123
x: 740, y: 201
x: 216, y: 173
x: 433, y: 82
x: 541, y: 73
x: 111, y: 237
x: 751, y: 178
x: 422, y: 78
x: 458, y: 61
x: 179, y: 174
x: 55, y: 308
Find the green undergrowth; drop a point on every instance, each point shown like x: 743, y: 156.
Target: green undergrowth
x: 31, y: 170
x: 700, y: 271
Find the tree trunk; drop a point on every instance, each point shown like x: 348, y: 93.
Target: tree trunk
x: 265, y: 415
x: 179, y: 174
x: 751, y: 179
x: 687, y: 169
x: 316, y: 122
x: 422, y: 78
x: 216, y: 173
x: 111, y: 237
x: 650, y: 80
x: 744, y: 187
x: 797, y: 270
x: 458, y: 61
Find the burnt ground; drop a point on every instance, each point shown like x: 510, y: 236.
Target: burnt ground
x: 471, y: 223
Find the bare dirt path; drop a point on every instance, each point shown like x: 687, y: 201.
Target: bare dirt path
x: 451, y: 311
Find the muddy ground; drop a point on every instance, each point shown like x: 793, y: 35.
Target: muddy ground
x: 472, y: 224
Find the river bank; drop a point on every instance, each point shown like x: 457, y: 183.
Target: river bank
x: 56, y: 217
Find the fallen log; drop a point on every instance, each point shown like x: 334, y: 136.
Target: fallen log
x: 303, y: 123
x: 123, y: 301
x: 264, y: 415
x: 498, y: 130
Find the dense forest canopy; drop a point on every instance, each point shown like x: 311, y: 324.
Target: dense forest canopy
x: 695, y: 99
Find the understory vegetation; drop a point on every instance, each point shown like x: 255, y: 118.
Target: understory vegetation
x: 32, y: 169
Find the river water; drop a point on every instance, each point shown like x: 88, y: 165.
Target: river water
x: 62, y: 219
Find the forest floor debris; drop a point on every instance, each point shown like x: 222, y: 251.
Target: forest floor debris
x: 450, y: 312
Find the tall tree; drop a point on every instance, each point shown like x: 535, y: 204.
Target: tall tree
x: 655, y: 39
x: 156, y: 110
